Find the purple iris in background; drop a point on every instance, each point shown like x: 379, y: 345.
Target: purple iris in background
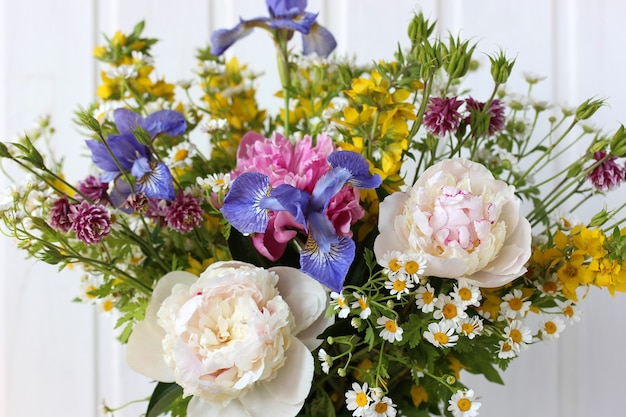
x: 284, y: 14
x: 326, y: 256
x: 125, y: 154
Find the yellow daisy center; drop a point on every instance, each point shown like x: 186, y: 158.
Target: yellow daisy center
x: 181, y: 154
x: 381, y: 407
x: 568, y: 311
x: 341, y: 302
x: 441, y: 338
x: 399, y: 285
x: 467, y: 328
x: 428, y: 297
x: 449, y: 311
x: 465, y: 294
x: 506, y: 347
x: 550, y: 327
x: 394, y: 265
x: 390, y: 325
x: 516, y: 304
x: 107, y: 305
x: 362, y: 303
x: 412, y: 267
x: 549, y: 287
x: 361, y: 399
x: 464, y: 404
x: 89, y: 290
x: 516, y: 335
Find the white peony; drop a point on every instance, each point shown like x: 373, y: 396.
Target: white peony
x: 463, y: 221
x: 238, y: 339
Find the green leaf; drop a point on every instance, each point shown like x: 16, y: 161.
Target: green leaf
x: 163, y: 396
x: 243, y: 250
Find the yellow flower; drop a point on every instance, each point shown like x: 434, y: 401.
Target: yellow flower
x: 573, y: 274
x: 119, y: 39
x: 588, y: 242
x: 197, y: 268
x: 100, y: 51
x: 419, y: 395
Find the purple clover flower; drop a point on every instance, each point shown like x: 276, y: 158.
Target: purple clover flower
x: 326, y: 256
x: 442, y: 115
x: 496, y: 113
x: 94, y: 189
x: 59, y: 215
x: 284, y: 14
x: 608, y: 174
x: 90, y: 222
x: 184, y: 214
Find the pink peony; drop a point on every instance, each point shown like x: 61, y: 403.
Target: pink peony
x: 464, y: 222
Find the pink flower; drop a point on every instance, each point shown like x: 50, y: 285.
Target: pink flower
x: 496, y: 113
x: 464, y: 222
x: 344, y: 210
x: 90, y: 222
x: 58, y: 218
x: 608, y: 174
x: 442, y: 115
x: 94, y: 189
x: 184, y: 214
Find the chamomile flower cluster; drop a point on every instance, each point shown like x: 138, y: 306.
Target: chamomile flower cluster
x: 364, y: 401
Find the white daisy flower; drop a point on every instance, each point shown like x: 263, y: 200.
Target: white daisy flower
x: 514, y: 305
x: 212, y: 125
x: 139, y: 58
x: 390, y: 329
x: 391, y: 263
x: 123, y: 71
x: 325, y: 360
x: 180, y: 155
x: 552, y: 327
x: 383, y: 407
x: 471, y: 327
x: 466, y: 294
x: 340, y: 303
x: 361, y: 303
x: 425, y: 298
x: 565, y: 219
x: 449, y: 310
x: 215, y: 182
x: 399, y: 284
x: 358, y: 399
x: 549, y: 287
x: 463, y: 404
x: 506, y: 349
x: 413, y: 265
x: 518, y: 335
x: 441, y: 334
x: 571, y: 314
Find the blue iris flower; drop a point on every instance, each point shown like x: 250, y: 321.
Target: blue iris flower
x: 284, y: 14
x: 127, y: 154
x: 325, y: 256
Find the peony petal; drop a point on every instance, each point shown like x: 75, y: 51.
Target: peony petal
x: 285, y: 394
x: 144, y: 353
x: 200, y: 408
x: 306, y: 297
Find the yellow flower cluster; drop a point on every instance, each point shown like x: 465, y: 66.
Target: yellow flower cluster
x: 582, y: 257
x: 377, y: 123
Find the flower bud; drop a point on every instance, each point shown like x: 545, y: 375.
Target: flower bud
x: 600, y: 218
x: 450, y: 379
x: 501, y: 68
x: 457, y: 57
x: 419, y: 29
x: 341, y: 372
x: 618, y: 142
x: 588, y: 108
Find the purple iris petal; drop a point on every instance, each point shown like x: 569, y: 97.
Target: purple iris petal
x: 295, y: 201
x: 301, y: 23
x: 154, y: 179
x: 222, y: 39
x: 322, y: 231
x: 125, y: 150
x: 327, y: 186
x: 242, y: 205
x: 328, y: 267
x: 126, y: 120
x: 285, y: 8
x: 358, y: 167
x: 319, y: 40
x: 170, y: 122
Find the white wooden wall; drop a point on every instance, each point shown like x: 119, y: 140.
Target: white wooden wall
x: 59, y: 358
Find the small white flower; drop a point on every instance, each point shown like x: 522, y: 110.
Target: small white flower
x: 514, y: 305
x: 391, y: 263
x: 507, y: 350
x: 552, y: 327
x: 219, y: 182
x: 571, y: 314
x: 518, y: 335
x: 212, y: 125
x: 466, y: 294
x: 180, y: 155
x: 425, y: 298
x: 549, y: 287
x: 399, y: 284
x: 123, y: 71
x: 463, y: 404
x: 413, y: 265
x: 325, y: 360
x: 390, y: 329
x: 358, y: 399
x: 471, y: 327
x: 449, y: 310
x: 339, y: 302
x: 140, y: 59
x: 441, y: 334
x: 383, y: 407
x: 361, y: 303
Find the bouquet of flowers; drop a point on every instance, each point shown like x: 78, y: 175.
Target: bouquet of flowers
x: 349, y: 255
